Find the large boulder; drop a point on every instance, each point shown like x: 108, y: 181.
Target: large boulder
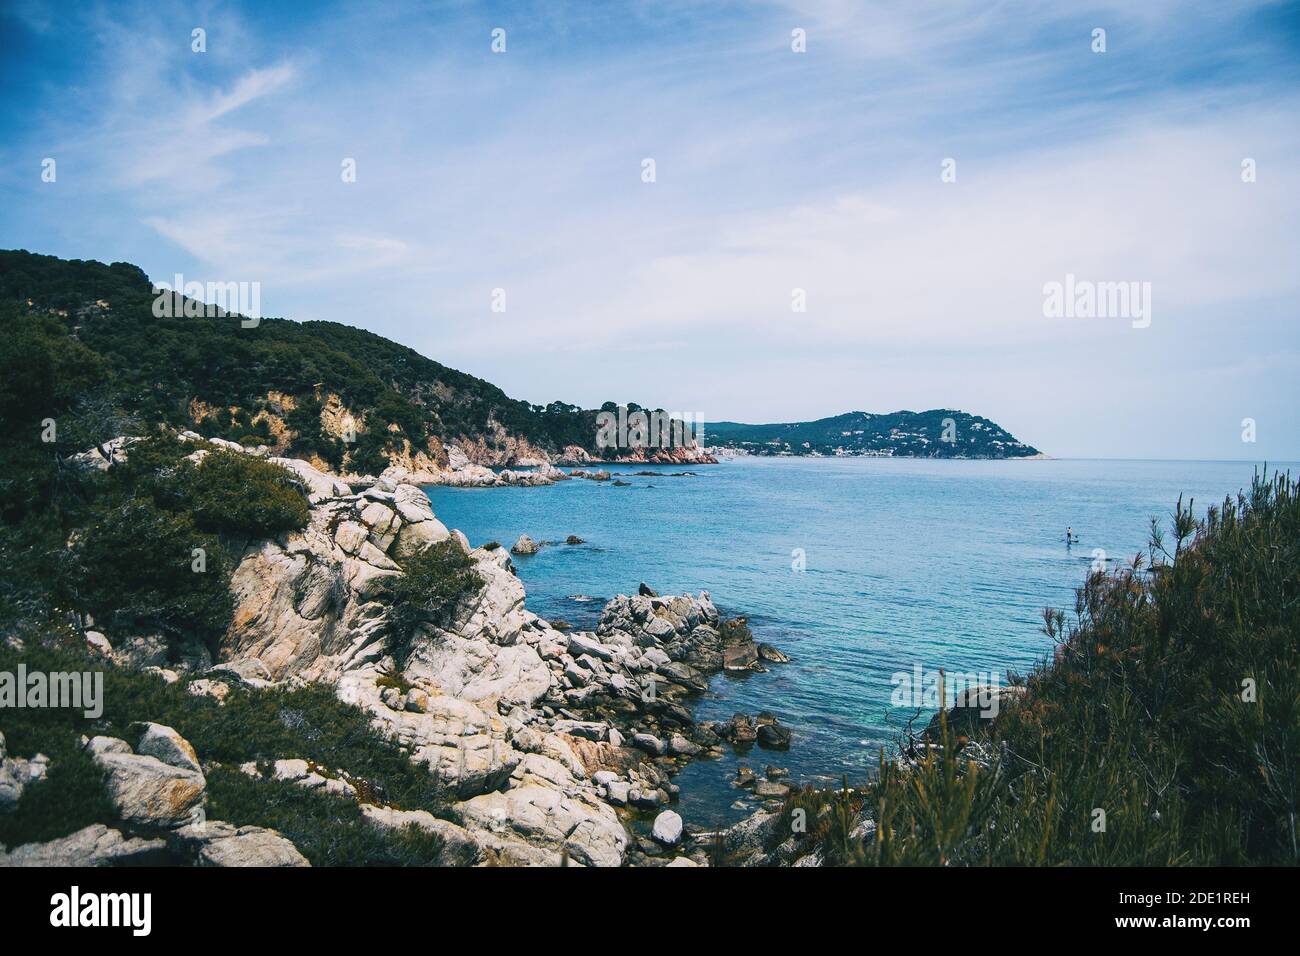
x: 524, y: 545
x: 168, y: 746
x: 148, y: 792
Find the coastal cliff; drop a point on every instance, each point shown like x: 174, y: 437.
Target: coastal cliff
x: 537, y: 744
x: 344, y: 399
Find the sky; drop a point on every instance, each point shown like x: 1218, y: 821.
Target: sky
x: 922, y: 171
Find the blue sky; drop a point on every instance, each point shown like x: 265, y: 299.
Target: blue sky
x: 775, y: 170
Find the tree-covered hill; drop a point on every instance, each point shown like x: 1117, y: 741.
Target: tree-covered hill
x: 938, y: 433
x: 226, y: 380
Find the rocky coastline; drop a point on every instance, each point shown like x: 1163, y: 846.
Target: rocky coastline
x: 552, y: 745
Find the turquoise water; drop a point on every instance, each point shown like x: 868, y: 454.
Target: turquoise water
x: 941, y: 564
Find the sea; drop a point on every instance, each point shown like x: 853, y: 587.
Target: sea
x: 871, y: 574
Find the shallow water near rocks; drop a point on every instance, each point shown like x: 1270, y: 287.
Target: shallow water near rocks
x: 909, y: 562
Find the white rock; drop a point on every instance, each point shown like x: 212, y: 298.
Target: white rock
x: 667, y: 828
x: 320, y: 486
x: 148, y: 792
x: 350, y: 536
x: 98, y: 643
x: 618, y: 792
x: 416, y: 537
x: 587, y: 828
x: 203, y: 687
x: 580, y: 643
x: 107, y: 745
x: 649, y: 743
x: 95, y: 845
x: 217, y: 843
x: 168, y: 746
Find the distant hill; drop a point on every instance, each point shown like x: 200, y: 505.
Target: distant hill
x: 938, y: 433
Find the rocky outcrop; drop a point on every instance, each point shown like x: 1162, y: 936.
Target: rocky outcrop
x: 147, y: 792
x: 308, y: 604
x: 216, y: 843
x: 547, y: 743
x: 96, y: 845
x: 158, y: 790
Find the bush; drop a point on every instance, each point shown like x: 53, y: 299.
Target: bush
x: 231, y: 493
x: 134, y: 568
x: 1173, y: 706
x: 328, y: 829
x: 433, y: 581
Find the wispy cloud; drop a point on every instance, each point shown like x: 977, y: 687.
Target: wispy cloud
x: 775, y: 171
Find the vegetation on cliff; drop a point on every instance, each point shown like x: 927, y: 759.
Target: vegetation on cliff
x: 433, y: 581
x: 146, y: 547
x: 85, y: 333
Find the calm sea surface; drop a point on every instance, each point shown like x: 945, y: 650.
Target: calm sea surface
x: 941, y: 564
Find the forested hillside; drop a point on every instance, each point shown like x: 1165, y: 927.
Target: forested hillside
x: 266, y: 384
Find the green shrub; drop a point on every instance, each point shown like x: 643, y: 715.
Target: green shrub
x: 235, y: 494
x: 71, y: 796
x: 134, y: 568
x: 433, y: 581
x: 328, y: 829
x: 1173, y: 706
